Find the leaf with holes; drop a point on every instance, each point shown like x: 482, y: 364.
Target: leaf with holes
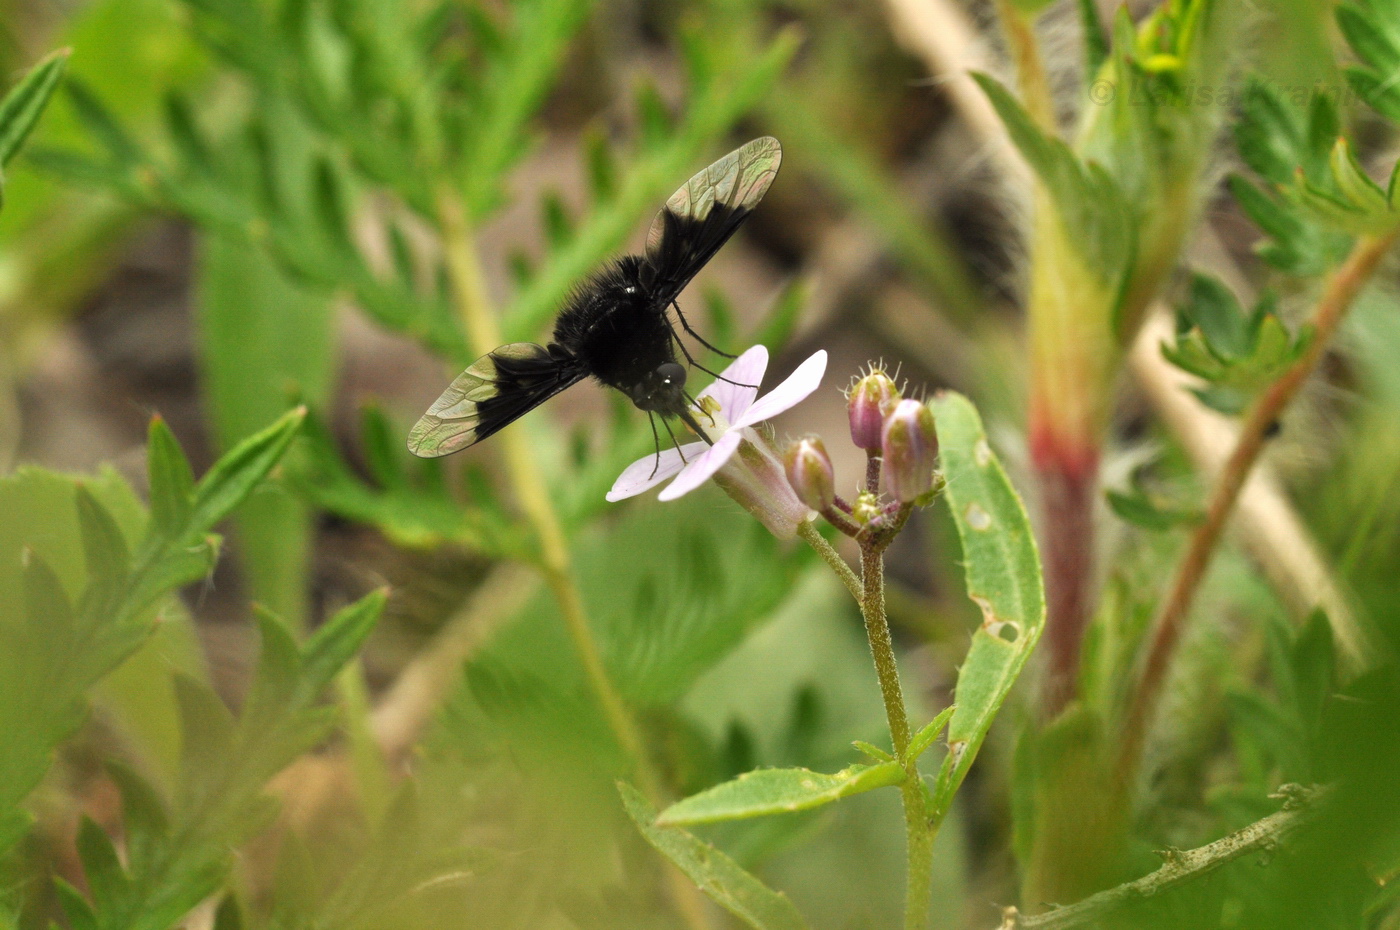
x: 778, y: 791
x: 1002, y: 568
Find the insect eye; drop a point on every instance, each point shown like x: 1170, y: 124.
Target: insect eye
x: 671, y: 374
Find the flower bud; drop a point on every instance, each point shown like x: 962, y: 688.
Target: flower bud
x: 910, y: 450
x: 868, y: 403
x: 810, y: 473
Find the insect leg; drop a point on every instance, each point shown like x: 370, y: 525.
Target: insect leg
x: 666, y: 423
x: 656, y: 440
x: 699, y: 338
x: 694, y: 364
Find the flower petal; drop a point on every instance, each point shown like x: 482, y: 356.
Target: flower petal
x: 802, y: 382
x: 745, y: 370
x: 702, y: 467
x: 645, y: 474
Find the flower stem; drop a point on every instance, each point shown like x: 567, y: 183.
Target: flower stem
x: 808, y: 531
x: 474, y: 306
x: 1341, y: 292
x: 916, y: 819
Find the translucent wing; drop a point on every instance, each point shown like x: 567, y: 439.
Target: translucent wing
x: 496, y: 389
x: 702, y: 215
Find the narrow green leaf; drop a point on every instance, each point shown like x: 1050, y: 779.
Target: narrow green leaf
x: 718, y: 876
x: 340, y: 637
x: 144, y: 820
x: 233, y: 477
x: 24, y: 104
x: 104, y: 547
x: 383, y: 447
x: 1355, y: 183
x: 101, y: 124
x: 778, y: 791
x: 46, y: 603
x: 101, y: 866
x: 1214, y: 309
x: 228, y: 915
x: 925, y: 737
x: 1095, y: 39
x: 75, y: 907
x: 171, y: 480
x: 1002, y: 568
x: 206, y: 729
x: 874, y: 752
x: 279, y: 667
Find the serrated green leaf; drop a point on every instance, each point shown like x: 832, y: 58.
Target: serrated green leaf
x: 717, y: 875
x: 778, y: 791
x: 234, y: 476
x: 104, y: 548
x: 339, y: 638
x: 1002, y: 568
x: 929, y: 732
x: 171, y: 480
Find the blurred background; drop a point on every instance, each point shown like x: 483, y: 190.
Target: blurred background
x: 237, y: 206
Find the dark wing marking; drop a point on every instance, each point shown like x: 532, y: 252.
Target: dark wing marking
x: 496, y: 389
x: 702, y: 215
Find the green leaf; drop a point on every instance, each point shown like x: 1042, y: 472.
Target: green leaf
x: 1088, y: 200
x: 924, y: 738
x: 236, y: 474
x: 339, y: 638
x: 24, y: 104
x: 46, y: 604
x: 778, y: 791
x: 1139, y: 509
x: 144, y: 820
x: 1002, y: 568
x: 101, y: 866
x: 1096, y: 49
x: 206, y: 729
x: 717, y: 875
x: 104, y: 548
x: 171, y: 480
x: 75, y: 907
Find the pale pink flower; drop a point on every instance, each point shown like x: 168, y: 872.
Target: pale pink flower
x: 729, y: 413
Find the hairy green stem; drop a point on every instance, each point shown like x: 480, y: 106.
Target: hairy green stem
x: 916, y: 820
x: 531, y: 492
x: 808, y: 531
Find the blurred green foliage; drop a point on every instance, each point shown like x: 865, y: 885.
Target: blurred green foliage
x: 320, y: 152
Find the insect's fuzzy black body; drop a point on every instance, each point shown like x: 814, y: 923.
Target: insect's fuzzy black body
x: 617, y: 326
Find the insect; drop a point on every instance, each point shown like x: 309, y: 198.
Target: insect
x: 617, y: 325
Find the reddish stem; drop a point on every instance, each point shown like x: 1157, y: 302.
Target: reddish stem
x: 1341, y: 292
x: 1068, y: 476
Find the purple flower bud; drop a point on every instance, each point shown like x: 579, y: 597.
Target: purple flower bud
x: 869, y: 402
x: 810, y: 473
x: 910, y: 450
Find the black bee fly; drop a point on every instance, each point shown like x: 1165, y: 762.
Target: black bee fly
x: 617, y: 326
